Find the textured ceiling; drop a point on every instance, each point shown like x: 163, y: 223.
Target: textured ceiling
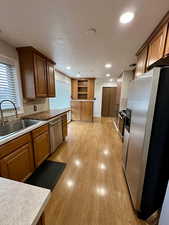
x: 59, y: 28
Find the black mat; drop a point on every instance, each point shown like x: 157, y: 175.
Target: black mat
x: 47, y: 175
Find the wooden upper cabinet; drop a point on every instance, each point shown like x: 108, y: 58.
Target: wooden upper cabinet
x: 74, y: 89
x: 83, y: 89
x: 167, y: 43
x: 141, y: 62
x: 40, y: 76
x: 51, y: 79
x: 90, y: 93
x: 36, y: 73
x: 157, y: 46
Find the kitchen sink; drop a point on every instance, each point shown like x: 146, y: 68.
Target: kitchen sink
x: 15, y: 126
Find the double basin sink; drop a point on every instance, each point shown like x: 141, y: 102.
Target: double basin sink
x: 12, y: 127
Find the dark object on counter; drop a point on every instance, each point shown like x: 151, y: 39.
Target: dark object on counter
x: 47, y: 175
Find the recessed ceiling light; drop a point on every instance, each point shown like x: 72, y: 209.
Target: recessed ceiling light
x: 126, y: 17
x: 108, y: 65
x: 68, y: 68
x: 108, y: 75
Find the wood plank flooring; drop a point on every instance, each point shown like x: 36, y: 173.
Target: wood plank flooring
x: 92, y: 189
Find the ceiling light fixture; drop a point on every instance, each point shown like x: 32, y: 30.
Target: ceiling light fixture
x: 108, y: 65
x: 126, y: 17
x: 111, y: 80
x: 68, y: 68
x: 108, y: 75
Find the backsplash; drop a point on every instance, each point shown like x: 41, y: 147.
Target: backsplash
x: 41, y: 104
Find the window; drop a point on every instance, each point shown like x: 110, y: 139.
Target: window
x: 8, y: 88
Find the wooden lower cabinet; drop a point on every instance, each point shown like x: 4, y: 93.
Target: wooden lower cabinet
x: 18, y: 165
x: 82, y: 110
x: 41, y: 144
x: 19, y: 157
x: 75, y: 107
x: 64, y: 126
x: 86, y: 111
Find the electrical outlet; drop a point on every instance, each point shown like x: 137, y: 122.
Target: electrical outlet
x: 35, y: 108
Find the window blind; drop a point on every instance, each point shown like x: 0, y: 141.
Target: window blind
x: 8, y: 85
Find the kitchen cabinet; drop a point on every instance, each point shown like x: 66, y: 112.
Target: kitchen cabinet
x: 82, y: 110
x: 76, y: 108
x: 40, y: 76
x: 41, y: 144
x: 51, y: 79
x: 90, y: 93
x: 37, y: 74
x: 17, y: 159
x: 86, y: 113
x: 83, y: 89
x: 64, y: 126
x: 167, y: 43
x: 74, y: 88
x: 141, y: 62
x: 157, y: 46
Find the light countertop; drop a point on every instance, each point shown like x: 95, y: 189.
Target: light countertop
x: 47, y: 115
x: 21, y: 204
x: 43, y: 117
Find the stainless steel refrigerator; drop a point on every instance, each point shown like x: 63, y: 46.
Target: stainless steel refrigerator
x: 147, y: 159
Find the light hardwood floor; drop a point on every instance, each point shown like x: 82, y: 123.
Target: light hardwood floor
x: 92, y: 189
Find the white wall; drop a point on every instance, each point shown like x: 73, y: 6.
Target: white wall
x: 8, y: 52
x: 99, y: 84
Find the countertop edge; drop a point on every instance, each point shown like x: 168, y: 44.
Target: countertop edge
x: 36, y: 220
x: 22, y: 132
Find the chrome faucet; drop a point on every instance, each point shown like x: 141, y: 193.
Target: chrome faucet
x: 2, y: 116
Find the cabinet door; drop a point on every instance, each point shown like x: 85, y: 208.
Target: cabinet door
x: 74, y: 89
x: 90, y: 95
x: 18, y: 165
x: 41, y: 148
x: 141, y: 62
x: 40, y: 76
x: 76, y: 108
x: 64, y: 126
x: 51, y: 79
x: 86, y: 111
x: 157, y: 46
x: 167, y: 43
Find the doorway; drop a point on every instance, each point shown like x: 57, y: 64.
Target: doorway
x: 109, y: 101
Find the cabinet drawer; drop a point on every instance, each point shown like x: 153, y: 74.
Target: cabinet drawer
x: 18, y: 165
x: 11, y: 146
x: 41, y: 148
x: 40, y: 130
